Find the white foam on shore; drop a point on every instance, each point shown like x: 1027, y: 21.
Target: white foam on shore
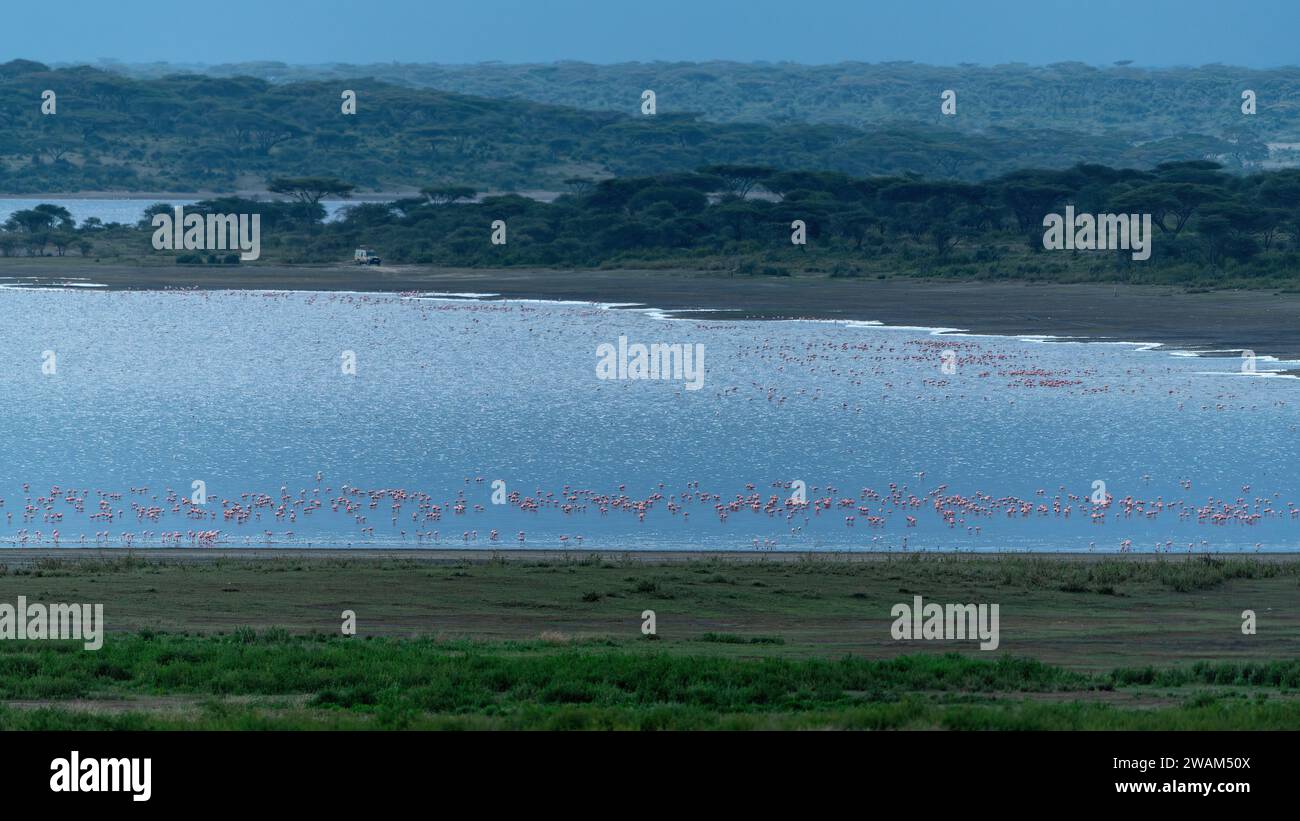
x: 665, y: 315
x: 53, y: 286
x: 1259, y: 374
x: 1288, y: 364
x: 451, y: 295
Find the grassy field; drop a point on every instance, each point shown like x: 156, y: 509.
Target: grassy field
x: 1116, y: 643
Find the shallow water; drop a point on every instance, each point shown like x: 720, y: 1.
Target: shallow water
x: 245, y: 391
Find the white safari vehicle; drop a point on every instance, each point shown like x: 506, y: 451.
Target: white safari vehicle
x: 364, y: 257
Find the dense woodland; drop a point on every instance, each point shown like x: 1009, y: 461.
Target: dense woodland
x: 713, y: 189
x: 195, y: 132
x: 1211, y: 228
x: 1134, y: 102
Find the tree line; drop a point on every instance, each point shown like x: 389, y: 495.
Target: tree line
x: 1212, y: 227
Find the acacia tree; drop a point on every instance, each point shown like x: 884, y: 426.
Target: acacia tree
x: 268, y: 133
x: 1029, y: 202
x: 448, y: 194
x: 33, y: 222
x: 739, y: 179
x: 57, y: 214
x: 56, y: 149
x: 1185, y: 198
x: 311, y: 190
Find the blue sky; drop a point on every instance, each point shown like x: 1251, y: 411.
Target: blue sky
x: 1255, y: 33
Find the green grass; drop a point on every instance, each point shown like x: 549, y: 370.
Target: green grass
x: 464, y: 675
x: 278, y: 681
x: 1284, y: 674
x: 1088, y: 614
x: 907, y: 714
x: 1107, y: 643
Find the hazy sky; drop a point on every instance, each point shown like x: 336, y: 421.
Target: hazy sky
x: 1257, y: 33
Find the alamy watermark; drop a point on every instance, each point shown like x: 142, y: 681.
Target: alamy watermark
x: 77, y: 774
x: 211, y: 232
x: 82, y: 622
x: 947, y: 622
x: 1098, y: 232
x: 682, y: 362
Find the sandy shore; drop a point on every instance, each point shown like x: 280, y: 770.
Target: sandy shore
x: 1263, y: 321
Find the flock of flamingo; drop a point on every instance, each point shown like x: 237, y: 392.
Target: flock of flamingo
x: 827, y: 373
x: 416, y: 517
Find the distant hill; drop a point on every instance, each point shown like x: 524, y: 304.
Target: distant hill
x: 191, y: 132
x: 1140, y: 103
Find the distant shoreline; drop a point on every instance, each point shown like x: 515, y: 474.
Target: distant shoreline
x: 1227, y: 322
x: 26, y: 556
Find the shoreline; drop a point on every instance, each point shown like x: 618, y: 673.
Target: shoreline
x: 29, y: 556
x: 1220, y: 323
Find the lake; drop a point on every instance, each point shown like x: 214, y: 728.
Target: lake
x: 380, y: 419
x: 126, y: 211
